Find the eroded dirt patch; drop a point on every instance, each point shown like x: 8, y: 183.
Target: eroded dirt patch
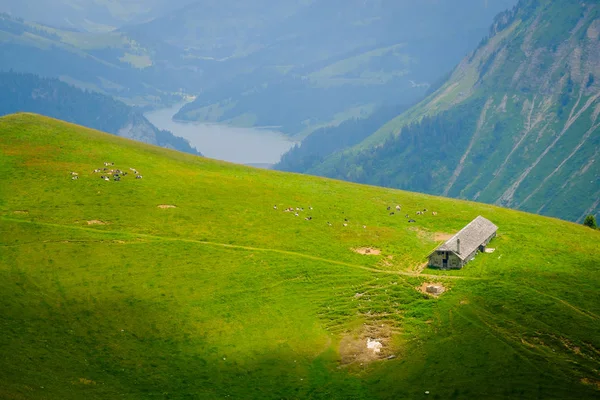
x: 591, y: 382
x: 432, y: 288
x: 96, y: 222
x: 441, y: 236
x: 166, y: 206
x: 367, y: 251
x: 368, y: 344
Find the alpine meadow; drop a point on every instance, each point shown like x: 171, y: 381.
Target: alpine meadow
x: 194, y: 282
x: 299, y: 199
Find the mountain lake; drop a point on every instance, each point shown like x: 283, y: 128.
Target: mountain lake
x: 251, y: 146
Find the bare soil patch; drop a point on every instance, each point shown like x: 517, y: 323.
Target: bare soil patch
x: 370, y: 343
x: 96, y: 222
x: 432, y: 288
x: 166, y: 206
x: 591, y: 382
x: 441, y: 236
x: 367, y: 251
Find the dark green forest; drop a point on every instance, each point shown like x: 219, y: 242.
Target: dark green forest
x: 53, y: 98
x: 325, y: 141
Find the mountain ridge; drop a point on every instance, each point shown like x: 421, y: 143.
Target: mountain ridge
x: 531, y: 107
x: 54, y: 98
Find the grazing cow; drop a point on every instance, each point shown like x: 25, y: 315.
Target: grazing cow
x: 117, y: 178
x: 74, y: 173
x: 75, y: 177
x: 346, y: 219
x: 418, y: 212
x: 345, y: 224
x: 274, y: 207
x: 328, y: 223
x: 389, y: 208
x: 138, y: 177
x: 310, y: 208
x: 392, y: 213
x: 424, y: 210
x: 398, y: 208
x: 406, y: 216
x: 296, y: 214
x: 411, y: 220
x: 434, y: 213
x: 364, y: 227
x: 106, y: 178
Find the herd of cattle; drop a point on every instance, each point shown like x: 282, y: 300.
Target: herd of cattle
x: 108, y: 173
x: 298, y: 210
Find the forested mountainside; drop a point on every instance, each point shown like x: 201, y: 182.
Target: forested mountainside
x: 315, y: 148
x: 53, y: 98
x: 516, y: 124
x: 109, y: 63
x: 88, y: 15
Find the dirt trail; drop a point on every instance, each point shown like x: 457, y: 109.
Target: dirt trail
x: 249, y: 248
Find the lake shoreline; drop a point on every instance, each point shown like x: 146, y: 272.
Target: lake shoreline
x: 260, y: 147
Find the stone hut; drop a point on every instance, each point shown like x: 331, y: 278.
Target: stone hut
x: 462, y: 247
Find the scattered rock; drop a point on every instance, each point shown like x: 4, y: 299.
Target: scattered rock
x: 374, y: 345
x: 432, y: 288
x: 369, y: 343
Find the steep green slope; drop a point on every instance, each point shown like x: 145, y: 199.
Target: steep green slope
x: 105, y: 294
x: 53, y: 98
x: 516, y: 124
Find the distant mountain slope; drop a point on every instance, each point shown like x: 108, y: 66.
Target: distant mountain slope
x: 53, y: 98
x: 329, y: 60
x: 188, y: 284
x: 88, y: 15
x: 517, y: 123
x: 109, y: 62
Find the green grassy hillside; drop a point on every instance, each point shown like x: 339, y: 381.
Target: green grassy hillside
x: 107, y: 295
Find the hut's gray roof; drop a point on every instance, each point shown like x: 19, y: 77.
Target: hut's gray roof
x: 471, y: 237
